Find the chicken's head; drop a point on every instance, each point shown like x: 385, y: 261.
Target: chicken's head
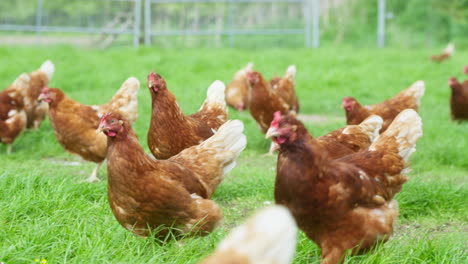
x: 348, y: 103
x: 284, y: 129
x: 111, y: 124
x: 453, y: 82
x: 48, y: 95
x: 156, y: 82
x: 253, y: 77
x: 465, y: 70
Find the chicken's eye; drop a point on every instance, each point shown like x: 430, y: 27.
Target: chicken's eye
x: 112, y: 121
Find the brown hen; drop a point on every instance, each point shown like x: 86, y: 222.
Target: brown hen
x: 351, y: 138
x: 347, y: 203
x: 446, y: 54
x: 75, y: 124
x: 237, y: 91
x: 285, y: 88
x: 153, y: 195
x: 409, y: 98
x: 12, y: 115
x: 459, y: 98
x: 36, y: 110
x: 347, y: 140
x: 264, y: 101
x: 170, y: 130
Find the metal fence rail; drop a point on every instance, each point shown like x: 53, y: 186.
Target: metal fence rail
x: 229, y: 29
x: 132, y: 25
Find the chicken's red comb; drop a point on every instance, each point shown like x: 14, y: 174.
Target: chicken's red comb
x: 276, y: 119
x: 105, y: 116
x: 152, y: 76
x: 465, y: 70
x: 45, y: 88
x: 452, y: 81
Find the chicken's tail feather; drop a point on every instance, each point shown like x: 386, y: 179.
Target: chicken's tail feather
x: 249, y: 66
x: 291, y: 71
x: 404, y: 131
x: 228, y: 141
x: 125, y: 100
x: 215, y: 97
x: 371, y: 126
x: 416, y: 90
x: 48, y: 68
x: 267, y: 237
x: 450, y: 49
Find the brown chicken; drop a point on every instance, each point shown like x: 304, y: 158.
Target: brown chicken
x: 285, y: 88
x: 170, y: 130
x: 409, y: 98
x: 75, y: 124
x: 347, y: 140
x: 351, y: 138
x: 264, y: 101
x: 268, y: 237
x: 237, y: 91
x: 12, y: 114
x: 459, y: 98
x: 345, y: 203
x: 159, y: 194
x: 446, y: 53
x: 37, y: 110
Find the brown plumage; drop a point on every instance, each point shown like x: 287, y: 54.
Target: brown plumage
x: 351, y: 138
x: 264, y: 101
x: 446, y: 54
x: 268, y: 237
x: 345, y: 203
x: 285, y: 88
x: 170, y: 130
x: 147, y: 193
x: 36, y: 110
x: 237, y: 91
x: 409, y: 98
x: 459, y: 98
x: 12, y: 115
x: 75, y: 124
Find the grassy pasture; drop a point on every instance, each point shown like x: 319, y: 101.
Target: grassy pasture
x: 47, y: 213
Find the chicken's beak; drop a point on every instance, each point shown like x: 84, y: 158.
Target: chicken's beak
x: 272, y: 132
x: 40, y: 98
x: 100, y: 129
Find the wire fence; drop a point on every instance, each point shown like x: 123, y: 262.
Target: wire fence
x: 229, y: 18
x: 164, y: 18
x: 108, y: 17
x: 235, y: 23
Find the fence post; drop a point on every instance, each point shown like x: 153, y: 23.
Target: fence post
x: 136, y: 23
x: 231, y: 23
x: 315, y: 24
x: 147, y: 22
x: 307, y: 11
x: 39, y: 21
x: 381, y: 24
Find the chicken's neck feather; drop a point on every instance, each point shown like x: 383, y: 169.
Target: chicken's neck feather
x: 165, y: 105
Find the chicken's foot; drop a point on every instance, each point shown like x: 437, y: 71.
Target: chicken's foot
x: 93, y: 177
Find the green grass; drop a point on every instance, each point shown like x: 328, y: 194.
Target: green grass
x: 46, y: 212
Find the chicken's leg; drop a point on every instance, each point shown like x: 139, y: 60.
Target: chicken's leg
x: 93, y: 177
x: 8, y: 149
